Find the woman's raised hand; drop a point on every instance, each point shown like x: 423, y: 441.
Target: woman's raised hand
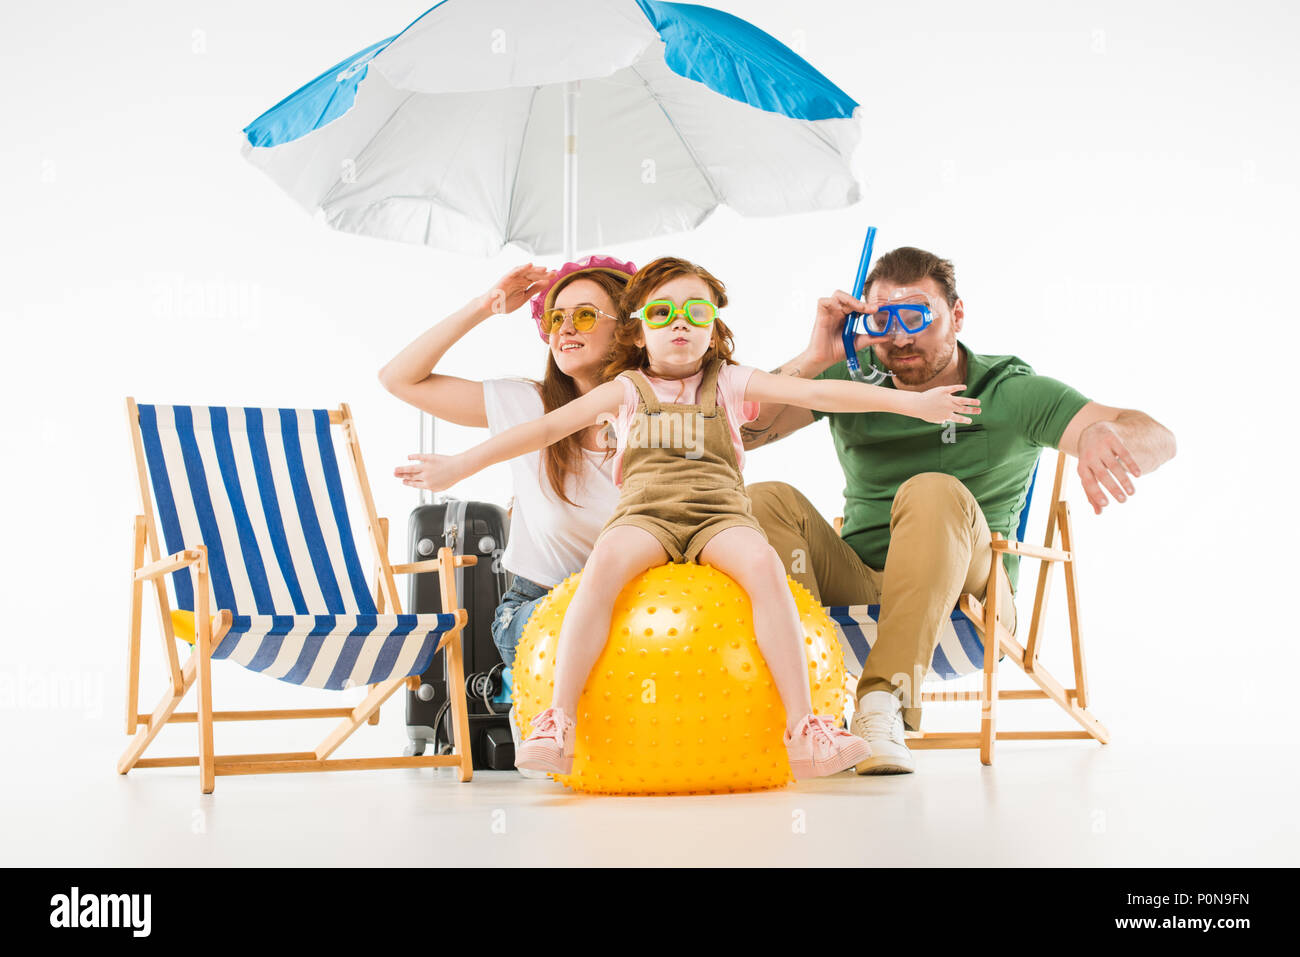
x: 516, y: 287
x: 943, y: 405
x: 433, y: 472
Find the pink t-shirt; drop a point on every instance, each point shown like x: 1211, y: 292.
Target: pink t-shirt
x: 732, y: 381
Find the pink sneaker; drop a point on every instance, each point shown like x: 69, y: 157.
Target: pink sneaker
x: 819, y: 746
x: 550, y: 744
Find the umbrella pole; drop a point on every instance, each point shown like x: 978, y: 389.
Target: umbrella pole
x: 571, y: 88
x: 426, y: 445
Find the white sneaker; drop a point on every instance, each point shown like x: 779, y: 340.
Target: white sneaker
x: 514, y: 735
x: 879, y: 721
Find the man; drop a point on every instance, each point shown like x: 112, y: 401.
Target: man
x: 921, y: 499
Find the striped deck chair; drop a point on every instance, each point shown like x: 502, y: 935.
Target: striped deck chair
x: 962, y: 649
x: 254, y: 520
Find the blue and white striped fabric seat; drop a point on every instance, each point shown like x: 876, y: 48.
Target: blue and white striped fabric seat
x: 260, y: 488
x: 960, y: 650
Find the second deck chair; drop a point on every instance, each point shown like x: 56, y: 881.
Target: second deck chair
x: 265, y: 572
x: 963, y: 648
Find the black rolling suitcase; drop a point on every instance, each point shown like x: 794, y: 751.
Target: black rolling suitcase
x: 468, y: 528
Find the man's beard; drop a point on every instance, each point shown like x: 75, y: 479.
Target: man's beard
x: 921, y: 372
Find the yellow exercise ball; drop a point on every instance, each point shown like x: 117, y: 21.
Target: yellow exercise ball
x: 680, y: 699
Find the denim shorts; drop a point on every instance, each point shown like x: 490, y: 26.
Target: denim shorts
x: 512, y: 614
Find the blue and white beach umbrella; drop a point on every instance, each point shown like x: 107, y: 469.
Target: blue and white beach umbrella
x: 460, y: 132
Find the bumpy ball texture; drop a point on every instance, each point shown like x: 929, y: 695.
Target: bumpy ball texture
x: 680, y: 700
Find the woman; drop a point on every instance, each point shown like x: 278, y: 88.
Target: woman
x: 563, y: 495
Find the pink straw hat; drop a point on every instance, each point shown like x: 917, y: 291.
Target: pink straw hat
x: 546, y: 298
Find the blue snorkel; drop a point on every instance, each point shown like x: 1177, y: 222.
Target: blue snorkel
x: 876, y: 376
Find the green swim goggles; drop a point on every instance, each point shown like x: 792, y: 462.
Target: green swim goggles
x: 660, y: 312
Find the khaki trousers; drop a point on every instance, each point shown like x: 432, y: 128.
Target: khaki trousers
x: 939, y: 548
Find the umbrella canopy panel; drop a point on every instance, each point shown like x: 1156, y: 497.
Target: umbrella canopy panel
x: 428, y: 137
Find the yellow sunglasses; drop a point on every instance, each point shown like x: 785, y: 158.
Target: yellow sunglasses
x: 584, y: 318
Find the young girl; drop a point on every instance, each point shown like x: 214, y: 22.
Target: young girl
x: 681, y: 400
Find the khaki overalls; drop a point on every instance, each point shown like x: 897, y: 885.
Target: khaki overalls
x: 681, y: 482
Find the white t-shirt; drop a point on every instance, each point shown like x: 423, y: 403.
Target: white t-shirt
x: 549, y: 539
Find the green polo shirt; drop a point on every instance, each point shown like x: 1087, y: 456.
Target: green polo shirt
x: 1020, y: 414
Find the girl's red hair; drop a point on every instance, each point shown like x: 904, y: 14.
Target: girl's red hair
x: 625, y: 353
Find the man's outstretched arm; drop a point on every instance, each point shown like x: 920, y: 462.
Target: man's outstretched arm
x: 1113, y: 447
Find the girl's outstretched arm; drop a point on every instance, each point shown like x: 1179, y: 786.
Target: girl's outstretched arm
x: 837, y: 395
x: 438, y: 472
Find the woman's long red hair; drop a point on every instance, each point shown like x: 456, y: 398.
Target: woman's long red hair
x: 564, y: 459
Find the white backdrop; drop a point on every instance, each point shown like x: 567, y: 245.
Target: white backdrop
x: 1115, y: 182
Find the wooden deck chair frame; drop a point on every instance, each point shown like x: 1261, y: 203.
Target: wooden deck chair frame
x: 196, y: 672
x: 1057, y: 549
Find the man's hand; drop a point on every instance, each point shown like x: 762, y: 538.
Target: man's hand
x: 1105, y: 465
x: 826, y: 347
x: 432, y: 472
x: 1114, y: 446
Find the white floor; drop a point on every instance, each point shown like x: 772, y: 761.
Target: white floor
x: 1057, y: 803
